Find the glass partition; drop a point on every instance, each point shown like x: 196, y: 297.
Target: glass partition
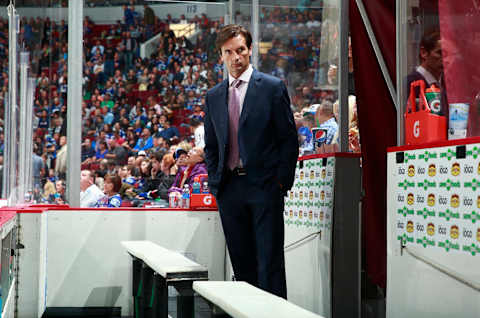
x: 299, y: 43
x: 146, y: 70
x: 146, y: 73
x: 439, y: 92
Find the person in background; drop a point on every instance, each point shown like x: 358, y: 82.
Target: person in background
x: 431, y: 63
x: 59, y: 196
x: 190, y: 165
x: 145, y: 141
x: 61, y: 161
x: 89, y: 192
x: 111, y: 186
x: 325, y: 119
x: 198, y: 130
x: 430, y: 70
x: 305, y: 134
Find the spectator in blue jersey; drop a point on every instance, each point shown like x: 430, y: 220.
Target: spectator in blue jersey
x: 145, y: 141
x: 101, y: 151
x: 305, y: 134
x: 168, y: 131
x: 111, y: 186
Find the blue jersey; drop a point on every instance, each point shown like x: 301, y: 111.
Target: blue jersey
x: 115, y: 201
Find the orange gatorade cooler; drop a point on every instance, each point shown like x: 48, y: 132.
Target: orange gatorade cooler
x: 421, y: 125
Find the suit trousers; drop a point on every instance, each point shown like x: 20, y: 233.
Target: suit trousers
x: 252, y: 220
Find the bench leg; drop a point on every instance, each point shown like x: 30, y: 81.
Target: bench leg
x: 138, y: 281
x: 149, y: 293
x: 161, y: 299
x: 185, y: 304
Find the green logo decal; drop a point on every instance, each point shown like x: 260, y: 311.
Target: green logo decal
x: 425, y: 242
x: 427, y: 155
x: 449, y: 154
x: 425, y: 213
x: 473, y: 249
x: 450, y: 184
x: 447, y: 245
x: 449, y: 215
x: 405, y: 184
x: 405, y: 211
x: 408, y: 157
x: 474, y: 216
x: 426, y: 184
x: 475, y: 152
x: 474, y: 184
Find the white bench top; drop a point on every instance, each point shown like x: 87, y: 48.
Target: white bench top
x: 162, y: 260
x: 242, y: 300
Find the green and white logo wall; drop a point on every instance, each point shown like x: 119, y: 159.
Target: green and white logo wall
x: 438, y: 199
x: 310, y: 201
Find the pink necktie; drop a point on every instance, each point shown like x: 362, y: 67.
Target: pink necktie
x: 233, y: 116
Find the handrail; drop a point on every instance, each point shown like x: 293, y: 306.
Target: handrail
x: 447, y: 271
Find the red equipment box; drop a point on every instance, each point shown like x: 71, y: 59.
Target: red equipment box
x: 421, y: 126
x: 206, y: 200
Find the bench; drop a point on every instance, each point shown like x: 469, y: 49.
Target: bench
x: 242, y: 300
x: 155, y: 269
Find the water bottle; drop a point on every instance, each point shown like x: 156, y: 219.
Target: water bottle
x: 205, y: 189
x: 196, y: 185
x: 186, y: 197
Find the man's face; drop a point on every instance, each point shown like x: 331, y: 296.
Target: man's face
x: 85, y: 180
x: 63, y: 140
x: 195, y: 155
x: 433, y: 60
x: 236, y: 55
x: 155, y: 164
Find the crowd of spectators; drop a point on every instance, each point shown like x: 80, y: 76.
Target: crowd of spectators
x: 142, y: 119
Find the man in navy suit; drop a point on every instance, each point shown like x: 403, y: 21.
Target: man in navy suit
x: 251, y: 149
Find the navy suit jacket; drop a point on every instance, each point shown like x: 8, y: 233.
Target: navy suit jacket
x: 267, y: 136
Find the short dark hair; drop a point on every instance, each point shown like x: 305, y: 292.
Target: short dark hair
x: 194, y: 122
x: 231, y: 31
x: 429, y: 41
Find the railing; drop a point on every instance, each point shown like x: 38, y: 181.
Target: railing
x: 148, y: 47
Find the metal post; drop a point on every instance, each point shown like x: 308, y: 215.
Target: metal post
x: 231, y: 6
x: 401, y: 21
x: 343, y: 76
x: 74, y: 108
x: 255, y: 32
x: 31, y: 84
x: 11, y: 149
x: 6, y: 150
x: 22, y: 142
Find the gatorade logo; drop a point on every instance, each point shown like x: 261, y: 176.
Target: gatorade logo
x: 207, y: 200
x: 435, y: 105
x: 416, y: 129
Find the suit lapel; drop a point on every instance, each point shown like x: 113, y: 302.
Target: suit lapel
x: 223, y: 110
x: 250, y: 97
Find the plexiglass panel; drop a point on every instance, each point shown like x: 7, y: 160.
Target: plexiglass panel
x: 440, y: 84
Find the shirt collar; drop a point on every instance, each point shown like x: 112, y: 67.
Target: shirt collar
x: 245, y: 77
x: 428, y: 76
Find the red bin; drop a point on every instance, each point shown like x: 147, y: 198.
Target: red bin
x: 421, y: 126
